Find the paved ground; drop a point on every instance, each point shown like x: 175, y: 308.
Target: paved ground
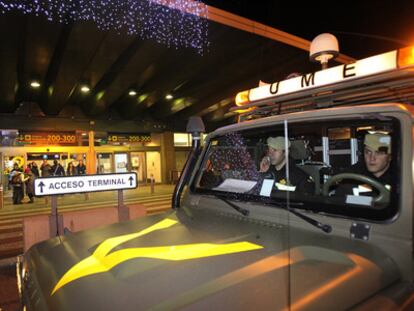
x: 11, y: 235
x: 9, y: 297
x: 11, y: 226
x: 79, y: 199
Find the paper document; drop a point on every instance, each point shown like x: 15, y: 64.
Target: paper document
x: 360, y: 200
x: 267, y: 187
x: 236, y: 185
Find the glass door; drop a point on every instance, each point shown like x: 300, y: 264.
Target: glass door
x: 121, y: 162
x: 138, y: 165
x: 104, y: 162
x: 154, y: 165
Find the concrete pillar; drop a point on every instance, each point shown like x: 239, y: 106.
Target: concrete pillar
x: 167, y: 156
x: 91, y: 155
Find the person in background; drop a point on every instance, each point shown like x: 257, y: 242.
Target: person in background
x: 28, y: 168
x: 15, y: 169
x: 81, y: 168
x: 46, y: 169
x: 35, y: 169
x: 57, y: 169
x: 17, y: 182
x: 71, y: 169
x: 29, y: 183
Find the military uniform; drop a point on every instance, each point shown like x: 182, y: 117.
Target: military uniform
x: 375, y: 143
x: 355, y: 187
x: 299, y: 180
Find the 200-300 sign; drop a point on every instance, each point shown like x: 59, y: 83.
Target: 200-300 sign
x: 58, y: 138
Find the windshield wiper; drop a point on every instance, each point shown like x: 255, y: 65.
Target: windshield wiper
x: 324, y: 227
x: 241, y: 210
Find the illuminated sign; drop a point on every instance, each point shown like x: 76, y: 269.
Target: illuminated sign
x: 85, y: 183
x: 362, y: 68
x: 104, y: 258
x: 114, y: 138
x: 47, y: 138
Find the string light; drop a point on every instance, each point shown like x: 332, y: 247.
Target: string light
x: 178, y: 23
x: 234, y: 155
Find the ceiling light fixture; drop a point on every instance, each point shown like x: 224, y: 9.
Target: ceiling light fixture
x: 35, y: 84
x: 132, y: 93
x: 169, y: 97
x: 85, y: 89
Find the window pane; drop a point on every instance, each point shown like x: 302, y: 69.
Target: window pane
x: 255, y: 165
x: 182, y: 140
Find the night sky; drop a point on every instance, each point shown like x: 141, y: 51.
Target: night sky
x: 363, y: 28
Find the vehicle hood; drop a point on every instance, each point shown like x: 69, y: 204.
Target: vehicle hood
x: 174, y: 261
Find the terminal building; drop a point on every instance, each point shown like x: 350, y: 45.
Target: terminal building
x: 120, y: 103
x: 157, y: 155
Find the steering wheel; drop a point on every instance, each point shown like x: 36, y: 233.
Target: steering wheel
x: 381, y: 199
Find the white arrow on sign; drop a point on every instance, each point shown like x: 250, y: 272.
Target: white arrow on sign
x: 84, y: 183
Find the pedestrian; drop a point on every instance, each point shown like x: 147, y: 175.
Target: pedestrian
x: 35, y: 169
x: 81, y: 168
x: 15, y: 168
x: 29, y: 179
x: 17, y: 184
x: 57, y: 169
x: 71, y: 169
x: 46, y: 169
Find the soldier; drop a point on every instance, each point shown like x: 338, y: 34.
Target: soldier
x: 376, y: 164
x: 273, y: 166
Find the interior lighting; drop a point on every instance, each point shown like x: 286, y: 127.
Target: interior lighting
x: 85, y: 89
x: 132, y: 93
x: 175, y: 23
x: 35, y: 84
x: 142, y: 97
x: 169, y: 97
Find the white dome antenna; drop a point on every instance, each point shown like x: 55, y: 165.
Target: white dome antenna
x: 324, y: 48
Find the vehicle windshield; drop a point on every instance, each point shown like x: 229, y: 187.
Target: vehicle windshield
x: 348, y: 170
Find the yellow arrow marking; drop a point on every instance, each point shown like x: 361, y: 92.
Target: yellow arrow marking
x: 100, y: 261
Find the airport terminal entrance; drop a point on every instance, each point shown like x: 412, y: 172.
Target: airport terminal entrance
x: 138, y: 165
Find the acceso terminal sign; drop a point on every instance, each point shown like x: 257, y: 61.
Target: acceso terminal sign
x: 305, y: 204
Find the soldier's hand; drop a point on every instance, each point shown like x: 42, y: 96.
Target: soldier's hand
x: 265, y: 164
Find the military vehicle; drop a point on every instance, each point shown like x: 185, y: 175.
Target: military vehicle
x: 238, y: 239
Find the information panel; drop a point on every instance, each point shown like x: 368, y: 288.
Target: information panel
x: 85, y: 183
x: 47, y: 138
x: 128, y: 137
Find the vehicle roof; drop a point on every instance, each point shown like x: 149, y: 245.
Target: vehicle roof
x: 383, y: 78
x: 320, y: 114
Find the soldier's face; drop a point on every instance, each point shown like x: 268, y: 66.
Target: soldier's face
x: 277, y: 156
x: 377, y: 162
